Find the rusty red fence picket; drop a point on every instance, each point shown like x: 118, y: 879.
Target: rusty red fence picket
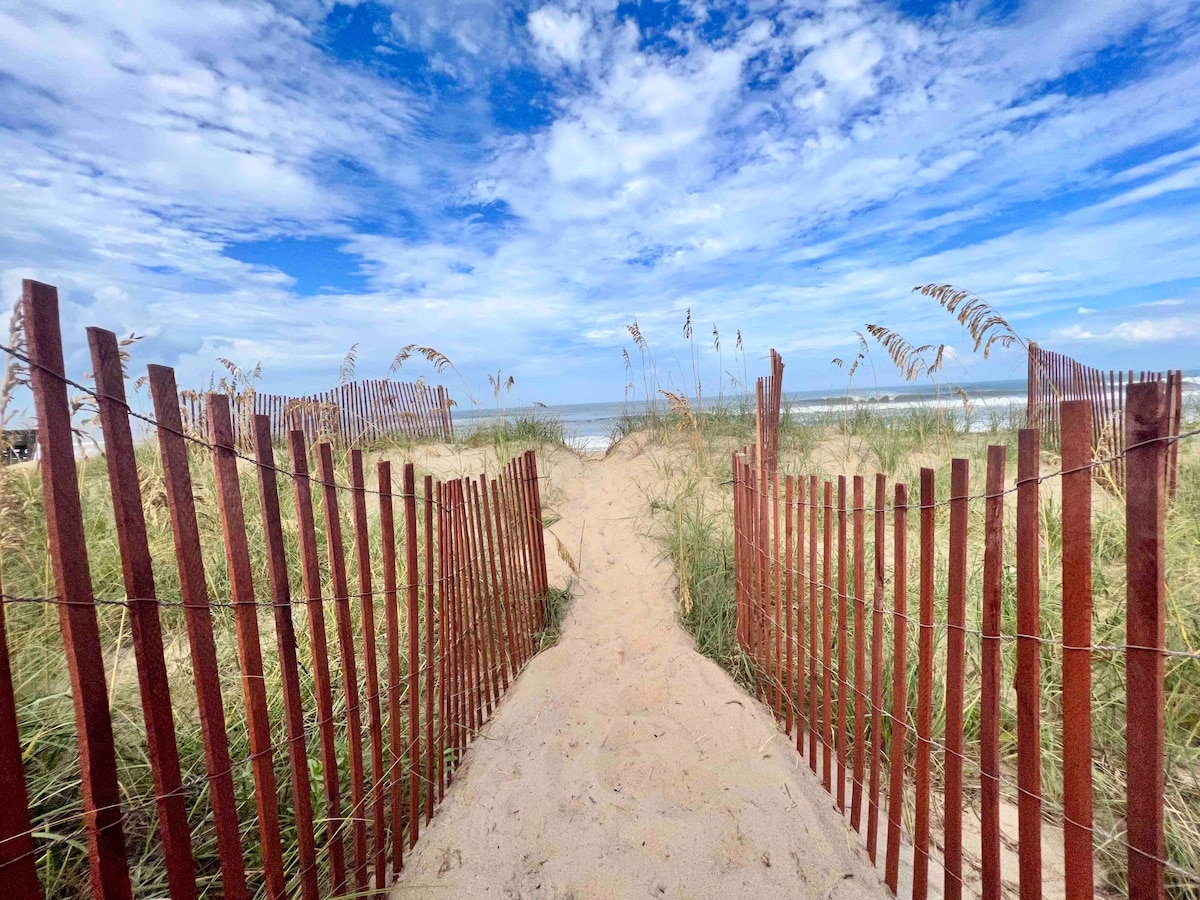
x: 968, y: 804
x: 350, y: 414
x: 463, y: 586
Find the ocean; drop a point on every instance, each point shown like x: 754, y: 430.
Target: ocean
x: 590, y: 426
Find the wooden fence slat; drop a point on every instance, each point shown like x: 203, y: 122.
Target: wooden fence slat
x: 504, y: 623
x: 754, y: 559
x: 377, y: 797
x: 813, y: 623
x: 1032, y: 385
x: 1145, y: 638
x: 1175, y: 425
x: 777, y: 625
x: 464, y: 644
x: 449, y: 600
x: 956, y: 620
x: 842, y: 563
x: 989, y: 704
x: 1076, y: 418
x: 73, y: 588
x: 763, y: 608
x: 310, y: 568
x: 878, y: 550
x: 285, y: 633
x: 827, y: 642
x: 487, y: 674
x: 429, y: 420
x: 1028, y: 682
x: 459, y: 646
x: 475, y: 665
x: 407, y: 417
x: 749, y: 486
x: 189, y: 557
x: 428, y: 413
x: 755, y: 586
x: 407, y: 420
x: 801, y: 716
x: 420, y: 411
x: 18, y: 857
x: 858, y: 771
x: 519, y: 568
x: 921, y: 791
x: 129, y: 517
x: 475, y: 669
x: 539, y: 531
x: 490, y: 590
x: 521, y: 511
x: 738, y: 563
x: 899, y: 685
x: 391, y: 625
x: 345, y: 635
x: 433, y: 412
x: 443, y: 634
x: 430, y: 670
x: 763, y: 588
x: 412, y: 559
x: 508, y: 572
x: 789, y: 687
x: 506, y: 586
x: 751, y: 549
x: 504, y: 626
x: 377, y: 411
x: 536, y: 544
x: 241, y: 585
x: 491, y: 680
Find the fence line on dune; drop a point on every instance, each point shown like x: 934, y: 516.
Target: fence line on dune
x: 793, y: 533
x: 472, y: 599
x: 350, y: 414
x: 1055, y: 377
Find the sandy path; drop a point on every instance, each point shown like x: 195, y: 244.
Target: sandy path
x: 624, y: 764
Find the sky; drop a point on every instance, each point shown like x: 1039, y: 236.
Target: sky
x: 513, y: 183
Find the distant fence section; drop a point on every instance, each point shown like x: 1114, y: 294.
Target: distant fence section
x: 349, y: 414
x: 354, y: 729
x: 1055, y: 377
x: 867, y: 625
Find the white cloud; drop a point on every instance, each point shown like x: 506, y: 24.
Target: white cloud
x: 1137, y: 331
x: 559, y: 33
x: 1183, y: 180
x: 848, y: 62
x: 1142, y: 330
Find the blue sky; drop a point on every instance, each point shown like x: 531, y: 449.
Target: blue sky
x: 513, y: 183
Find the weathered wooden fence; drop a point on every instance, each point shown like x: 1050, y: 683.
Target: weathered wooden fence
x: 824, y: 616
x: 464, y: 580
x: 1055, y: 377
x: 349, y: 414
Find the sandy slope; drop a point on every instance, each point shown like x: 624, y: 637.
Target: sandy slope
x: 624, y: 764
